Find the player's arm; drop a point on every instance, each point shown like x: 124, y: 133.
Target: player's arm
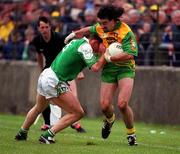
x: 99, y: 64
x: 101, y: 61
x: 119, y: 57
x: 122, y: 57
x: 77, y: 34
x: 40, y: 60
x: 129, y: 50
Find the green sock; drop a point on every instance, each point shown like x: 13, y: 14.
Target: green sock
x: 48, y: 133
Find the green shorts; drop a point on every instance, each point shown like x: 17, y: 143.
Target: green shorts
x: 113, y: 73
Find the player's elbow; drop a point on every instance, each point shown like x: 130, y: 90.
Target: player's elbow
x: 130, y: 56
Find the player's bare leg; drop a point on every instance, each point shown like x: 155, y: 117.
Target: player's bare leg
x: 107, y: 93
x: 76, y: 125
x: 126, y: 86
x: 41, y: 104
x: 68, y: 102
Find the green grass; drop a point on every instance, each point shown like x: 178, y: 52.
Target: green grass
x: 166, y: 140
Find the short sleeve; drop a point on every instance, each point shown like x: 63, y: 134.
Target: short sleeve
x: 87, y: 54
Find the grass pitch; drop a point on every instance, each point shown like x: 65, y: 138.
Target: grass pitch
x: 152, y: 139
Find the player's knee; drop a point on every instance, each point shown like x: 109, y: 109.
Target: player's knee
x: 37, y: 109
x: 105, y: 105
x: 79, y: 114
x: 82, y: 113
x: 122, y: 105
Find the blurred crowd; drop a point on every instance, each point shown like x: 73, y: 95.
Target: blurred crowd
x: 156, y: 24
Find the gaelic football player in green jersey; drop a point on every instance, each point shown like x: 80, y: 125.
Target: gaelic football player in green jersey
x: 119, y: 71
x: 53, y: 85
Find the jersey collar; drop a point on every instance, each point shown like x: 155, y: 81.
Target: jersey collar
x: 118, y: 24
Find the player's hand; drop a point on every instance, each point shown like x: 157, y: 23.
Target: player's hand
x: 107, y: 56
x: 69, y: 37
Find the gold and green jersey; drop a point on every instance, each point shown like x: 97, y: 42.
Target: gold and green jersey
x: 121, y: 33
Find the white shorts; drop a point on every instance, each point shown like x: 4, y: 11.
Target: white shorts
x: 49, y: 85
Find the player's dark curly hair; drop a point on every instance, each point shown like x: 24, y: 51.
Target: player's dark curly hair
x: 110, y: 12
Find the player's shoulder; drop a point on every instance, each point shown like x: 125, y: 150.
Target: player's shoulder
x: 86, y: 50
x: 84, y: 45
x: 125, y: 26
x: 80, y: 41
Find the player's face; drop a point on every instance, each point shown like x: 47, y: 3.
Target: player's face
x: 44, y: 29
x: 97, y: 46
x: 107, y: 25
x: 94, y: 44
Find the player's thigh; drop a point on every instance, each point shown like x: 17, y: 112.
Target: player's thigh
x: 125, y: 86
x: 68, y: 102
x: 107, y: 92
x: 73, y: 87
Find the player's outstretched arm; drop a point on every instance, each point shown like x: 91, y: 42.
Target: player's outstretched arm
x: 77, y: 34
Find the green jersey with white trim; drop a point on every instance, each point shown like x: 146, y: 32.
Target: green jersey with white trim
x: 73, y: 58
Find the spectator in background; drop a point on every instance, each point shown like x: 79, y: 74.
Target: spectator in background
x: 145, y: 16
x: 6, y: 26
x: 140, y: 6
x: 149, y: 3
x: 65, y: 22
x: 153, y: 57
x: 77, y: 7
x: 135, y: 20
x: 97, y: 5
x: 29, y: 49
x: 13, y: 48
x: 175, y: 45
x: 144, y: 41
x: 127, y: 7
x: 55, y: 18
x: 32, y: 10
x: 169, y: 7
x: 119, y: 3
x: 87, y: 18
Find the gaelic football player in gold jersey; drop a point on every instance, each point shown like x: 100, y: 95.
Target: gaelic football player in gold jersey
x: 119, y: 71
